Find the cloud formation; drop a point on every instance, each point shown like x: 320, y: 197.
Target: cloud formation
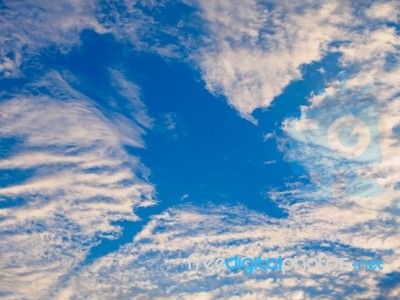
x: 253, y: 51
x: 154, y: 266
x: 77, y: 179
x: 347, y: 226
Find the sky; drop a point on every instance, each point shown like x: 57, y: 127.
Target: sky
x: 137, y: 135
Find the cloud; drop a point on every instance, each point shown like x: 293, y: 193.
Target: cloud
x: 370, y: 79
x: 131, y: 99
x: 268, y: 136
x: 29, y: 26
x: 343, y: 225
x: 369, y: 59
x: 385, y: 11
x: 155, y: 264
x: 169, y: 125
x: 78, y: 179
x: 184, y: 197
x: 72, y: 175
x: 253, y: 51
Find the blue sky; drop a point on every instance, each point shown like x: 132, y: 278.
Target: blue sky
x: 143, y: 133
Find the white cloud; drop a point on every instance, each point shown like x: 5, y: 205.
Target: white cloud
x: 155, y: 264
x: 78, y: 178
x: 370, y: 45
x: 252, y: 52
x: 268, y: 136
x: 348, y: 226
x: 29, y: 26
x: 386, y: 11
x: 184, y: 197
x: 131, y: 93
x: 371, y: 220
x: 84, y: 178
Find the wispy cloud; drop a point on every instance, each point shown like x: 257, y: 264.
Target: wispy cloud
x: 268, y: 136
x: 222, y: 231
x: 131, y: 99
x: 83, y: 179
x: 29, y: 26
x: 348, y: 226
x: 253, y: 51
